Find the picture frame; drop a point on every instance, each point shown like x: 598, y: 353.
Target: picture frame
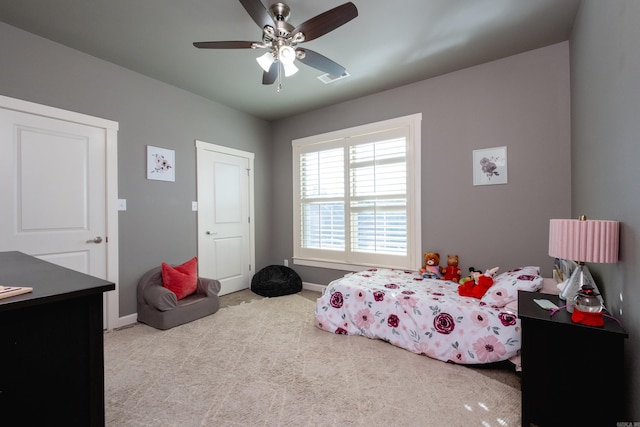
x: 161, y: 164
x: 490, y: 166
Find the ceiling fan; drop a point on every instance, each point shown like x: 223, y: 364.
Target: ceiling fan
x: 280, y: 39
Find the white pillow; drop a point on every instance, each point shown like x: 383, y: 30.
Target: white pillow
x: 506, y: 285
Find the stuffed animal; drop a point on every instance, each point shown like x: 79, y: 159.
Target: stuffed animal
x: 478, y: 287
x: 431, y: 267
x: 470, y: 276
x: 451, y: 271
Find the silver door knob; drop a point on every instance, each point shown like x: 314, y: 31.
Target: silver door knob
x: 96, y: 240
x: 210, y: 233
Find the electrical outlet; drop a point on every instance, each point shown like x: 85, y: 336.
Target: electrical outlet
x: 194, y: 206
x: 286, y: 263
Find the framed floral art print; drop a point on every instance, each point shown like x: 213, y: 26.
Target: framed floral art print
x: 490, y: 166
x: 161, y: 164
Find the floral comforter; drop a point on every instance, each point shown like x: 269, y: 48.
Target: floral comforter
x: 425, y: 316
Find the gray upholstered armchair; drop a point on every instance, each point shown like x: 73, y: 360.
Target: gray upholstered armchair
x: 159, y: 307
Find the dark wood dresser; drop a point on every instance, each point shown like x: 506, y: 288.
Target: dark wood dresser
x: 51, y: 345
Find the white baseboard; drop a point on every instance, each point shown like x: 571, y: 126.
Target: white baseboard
x: 313, y: 287
x: 127, y: 320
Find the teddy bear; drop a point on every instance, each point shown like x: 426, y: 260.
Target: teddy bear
x: 478, y: 287
x: 451, y: 271
x: 431, y: 267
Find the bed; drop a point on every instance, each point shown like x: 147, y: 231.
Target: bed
x: 428, y: 316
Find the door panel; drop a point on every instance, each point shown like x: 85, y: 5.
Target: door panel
x: 78, y: 261
x: 229, y: 181
x: 225, y: 250
x: 43, y: 181
x: 48, y: 168
x: 230, y: 258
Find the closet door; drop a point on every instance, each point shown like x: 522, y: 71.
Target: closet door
x: 225, y: 249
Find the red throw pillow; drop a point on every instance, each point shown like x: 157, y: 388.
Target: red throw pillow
x: 182, y: 280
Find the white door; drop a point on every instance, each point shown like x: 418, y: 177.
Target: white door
x: 53, y: 181
x: 225, y: 229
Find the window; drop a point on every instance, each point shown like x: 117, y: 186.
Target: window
x: 357, y: 196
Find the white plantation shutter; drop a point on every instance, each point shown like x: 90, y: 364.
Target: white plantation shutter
x: 378, y: 196
x: 322, y: 196
x: 356, y: 197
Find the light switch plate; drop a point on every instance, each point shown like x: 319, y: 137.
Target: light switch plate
x: 122, y: 204
x: 194, y: 206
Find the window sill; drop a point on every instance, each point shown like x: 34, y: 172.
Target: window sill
x: 337, y: 265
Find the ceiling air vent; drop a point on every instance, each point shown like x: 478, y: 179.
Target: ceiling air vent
x: 328, y: 78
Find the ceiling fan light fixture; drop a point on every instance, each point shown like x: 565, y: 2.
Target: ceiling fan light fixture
x: 265, y: 61
x: 289, y: 69
x: 287, y: 55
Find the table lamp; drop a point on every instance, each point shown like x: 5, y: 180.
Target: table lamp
x: 582, y: 241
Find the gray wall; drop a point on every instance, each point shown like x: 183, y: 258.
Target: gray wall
x: 158, y: 224
x: 605, y: 86
x: 521, y: 102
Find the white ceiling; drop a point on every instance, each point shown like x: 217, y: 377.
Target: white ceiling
x: 388, y: 45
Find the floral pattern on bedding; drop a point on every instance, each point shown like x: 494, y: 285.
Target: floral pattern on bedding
x: 425, y: 316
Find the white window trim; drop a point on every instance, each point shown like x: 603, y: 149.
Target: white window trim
x: 414, y: 223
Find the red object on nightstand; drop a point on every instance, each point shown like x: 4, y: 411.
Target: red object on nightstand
x: 587, y: 318
x: 588, y: 307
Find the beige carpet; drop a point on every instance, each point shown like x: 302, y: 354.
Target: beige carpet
x: 263, y: 363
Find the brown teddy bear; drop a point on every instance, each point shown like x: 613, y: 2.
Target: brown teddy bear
x: 451, y: 271
x: 431, y: 267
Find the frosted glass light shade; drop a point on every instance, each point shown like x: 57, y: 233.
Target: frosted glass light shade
x: 265, y: 61
x: 287, y: 55
x: 289, y: 69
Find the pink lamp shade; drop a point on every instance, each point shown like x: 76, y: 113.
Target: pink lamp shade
x: 584, y: 240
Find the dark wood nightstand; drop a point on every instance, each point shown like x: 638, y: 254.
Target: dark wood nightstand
x: 570, y: 372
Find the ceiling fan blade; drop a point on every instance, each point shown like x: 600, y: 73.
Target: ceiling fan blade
x: 258, y: 13
x: 327, y: 21
x: 321, y: 62
x: 224, y: 45
x: 268, y: 77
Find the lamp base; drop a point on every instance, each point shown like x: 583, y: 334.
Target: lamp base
x: 580, y: 277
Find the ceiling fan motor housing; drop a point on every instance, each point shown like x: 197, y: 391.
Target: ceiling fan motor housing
x: 280, y: 11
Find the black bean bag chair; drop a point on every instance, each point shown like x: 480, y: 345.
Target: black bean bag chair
x: 275, y: 281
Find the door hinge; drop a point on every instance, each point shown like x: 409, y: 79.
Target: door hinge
x: 106, y: 239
